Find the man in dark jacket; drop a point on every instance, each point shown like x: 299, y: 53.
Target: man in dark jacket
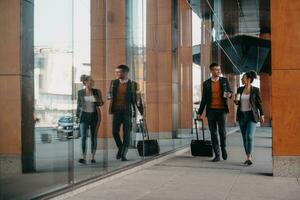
x: 125, y: 97
x: 215, y: 92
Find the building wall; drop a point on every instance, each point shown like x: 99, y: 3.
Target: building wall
x: 159, y: 66
x: 107, y: 50
x: 185, y: 65
x: 10, y: 77
x: 16, y: 80
x: 266, y: 94
x: 285, y: 87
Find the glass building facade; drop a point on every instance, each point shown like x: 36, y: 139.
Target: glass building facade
x: 168, y: 46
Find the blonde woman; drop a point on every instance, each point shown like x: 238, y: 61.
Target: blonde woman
x: 88, y: 114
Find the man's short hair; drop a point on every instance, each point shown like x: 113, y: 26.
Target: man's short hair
x: 124, y: 68
x: 212, y: 65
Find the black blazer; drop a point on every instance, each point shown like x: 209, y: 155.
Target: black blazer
x: 132, y: 97
x: 255, y: 103
x: 80, y: 100
x: 207, y: 94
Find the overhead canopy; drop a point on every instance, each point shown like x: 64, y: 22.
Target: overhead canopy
x: 244, y: 53
x: 240, y: 54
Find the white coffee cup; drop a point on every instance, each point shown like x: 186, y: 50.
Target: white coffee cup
x: 109, y: 96
x: 226, y: 94
x: 237, y: 97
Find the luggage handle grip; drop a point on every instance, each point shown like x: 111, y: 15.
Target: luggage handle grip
x: 202, y: 128
x: 144, y: 128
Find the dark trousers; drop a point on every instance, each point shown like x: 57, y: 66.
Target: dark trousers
x: 216, y: 121
x: 122, y: 117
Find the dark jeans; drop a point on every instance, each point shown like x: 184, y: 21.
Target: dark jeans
x: 122, y: 117
x: 89, y: 120
x: 216, y: 120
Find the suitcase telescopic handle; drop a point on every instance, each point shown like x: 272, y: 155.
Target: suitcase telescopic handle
x: 196, y: 127
x: 202, y: 128
x: 144, y: 128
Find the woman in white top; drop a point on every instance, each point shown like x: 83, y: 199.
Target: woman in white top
x: 249, y: 112
x: 88, y: 114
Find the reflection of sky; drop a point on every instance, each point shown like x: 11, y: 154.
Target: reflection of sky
x: 53, y: 26
x: 196, y: 83
x: 139, y: 22
x: 53, y: 23
x: 82, y: 32
x: 63, y: 26
x: 196, y: 29
x: 196, y: 75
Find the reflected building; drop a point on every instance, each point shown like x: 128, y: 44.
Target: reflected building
x: 168, y: 45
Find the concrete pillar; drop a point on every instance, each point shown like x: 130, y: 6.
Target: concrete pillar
x: 185, y: 61
x: 266, y: 97
x: 107, y: 50
x: 16, y: 80
x: 159, y: 67
x: 205, y: 51
x: 266, y: 92
x: 285, y: 87
x: 206, y: 54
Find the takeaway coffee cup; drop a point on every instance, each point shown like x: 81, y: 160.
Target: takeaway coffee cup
x: 237, y: 97
x: 226, y: 94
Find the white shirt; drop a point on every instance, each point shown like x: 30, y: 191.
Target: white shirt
x: 245, y: 102
x: 89, y: 104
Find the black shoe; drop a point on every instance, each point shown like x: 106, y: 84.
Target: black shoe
x: 93, y: 161
x: 118, y: 156
x: 249, y: 162
x: 82, y: 161
x: 216, y: 159
x: 124, y: 159
x: 224, y: 154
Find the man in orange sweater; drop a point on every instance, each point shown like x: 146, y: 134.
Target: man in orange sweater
x: 215, y: 92
x: 125, y: 98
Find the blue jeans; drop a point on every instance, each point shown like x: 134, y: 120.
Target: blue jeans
x: 84, y: 126
x: 248, y: 128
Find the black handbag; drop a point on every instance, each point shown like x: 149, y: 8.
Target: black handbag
x: 147, y: 147
x: 201, y: 147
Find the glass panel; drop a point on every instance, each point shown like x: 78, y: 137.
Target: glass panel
x: 185, y: 85
x: 125, y: 45
x: 84, y: 37
x: 167, y: 103
x: 53, y: 54
x: 89, y: 153
x: 196, y: 68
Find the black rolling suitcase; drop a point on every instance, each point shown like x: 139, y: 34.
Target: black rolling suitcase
x: 147, y: 147
x: 201, y: 147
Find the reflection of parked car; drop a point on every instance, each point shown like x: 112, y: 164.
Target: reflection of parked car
x: 67, y: 128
